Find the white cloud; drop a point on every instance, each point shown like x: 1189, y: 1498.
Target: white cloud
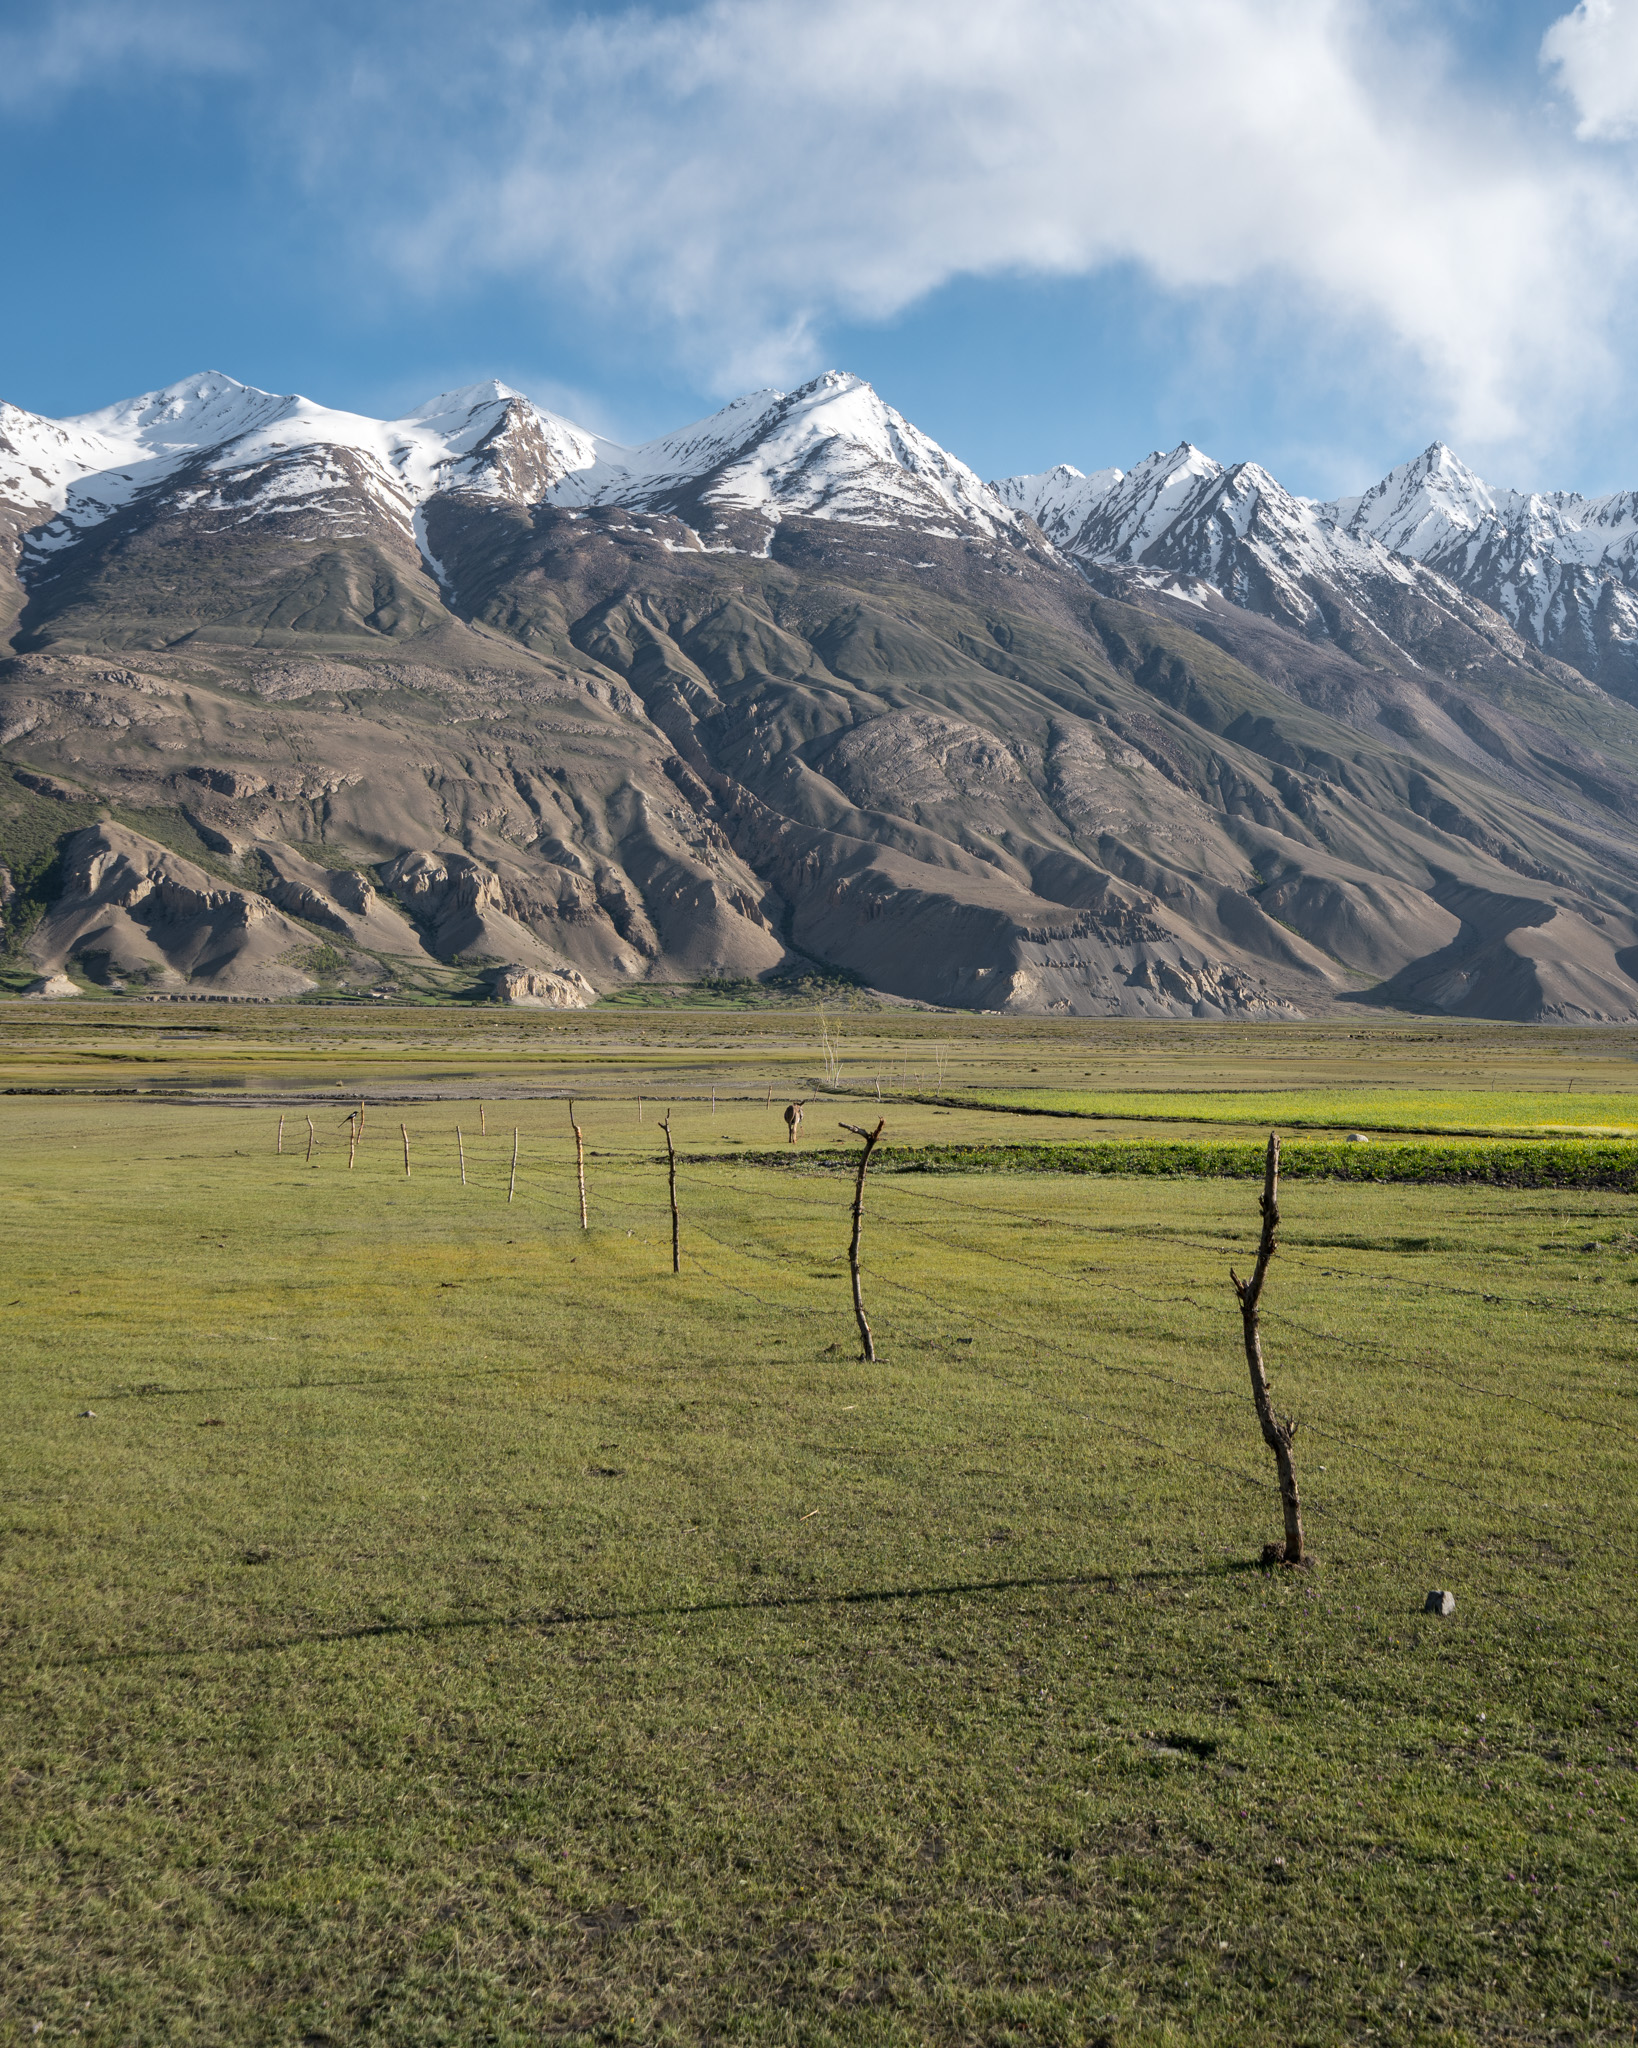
x: 71, y: 43
x: 737, y: 176
x: 746, y: 171
x: 1594, y: 50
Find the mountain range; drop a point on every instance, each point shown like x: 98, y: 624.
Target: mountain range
x: 295, y: 700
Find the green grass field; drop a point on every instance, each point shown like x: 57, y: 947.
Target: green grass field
x: 451, y: 1627
x: 1453, y: 1112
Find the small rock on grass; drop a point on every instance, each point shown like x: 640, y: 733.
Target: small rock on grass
x: 1439, y: 1603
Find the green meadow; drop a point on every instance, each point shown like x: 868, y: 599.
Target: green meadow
x: 1454, y: 1112
x: 424, y: 1621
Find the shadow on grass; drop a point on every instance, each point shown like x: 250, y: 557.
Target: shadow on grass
x: 591, y: 1617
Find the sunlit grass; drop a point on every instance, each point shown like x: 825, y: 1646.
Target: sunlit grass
x: 1458, y: 1112
x: 451, y: 1627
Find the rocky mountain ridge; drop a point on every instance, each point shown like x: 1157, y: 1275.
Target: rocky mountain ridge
x: 472, y: 699
x: 1560, y: 568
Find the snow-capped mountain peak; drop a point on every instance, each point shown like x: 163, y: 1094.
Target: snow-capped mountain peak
x: 1113, y: 515
x: 1417, y: 508
x: 468, y: 399
x: 832, y: 449
x: 192, y: 413
x: 1562, y: 568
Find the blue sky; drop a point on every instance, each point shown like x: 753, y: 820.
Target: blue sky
x: 1318, y: 233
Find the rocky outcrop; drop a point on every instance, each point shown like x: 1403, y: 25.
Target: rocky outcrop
x: 458, y: 905
x: 133, y: 912
x: 538, y: 988
x: 338, y: 900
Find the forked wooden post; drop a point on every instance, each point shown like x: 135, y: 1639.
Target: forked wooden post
x: 281, y: 1137
x: 1278, y: 1430
x: 870, y: 1139
x: 405, y: 1129
x: 671, y: 1175
x: 461, y: 1148
x: 580, y: 1161
x: 309, y: 1139
x: 512, y: 1184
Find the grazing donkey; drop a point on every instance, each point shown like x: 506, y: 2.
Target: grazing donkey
x: 793, y: 1117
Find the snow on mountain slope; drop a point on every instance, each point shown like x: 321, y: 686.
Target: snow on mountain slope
x: 1059, y: 500
x: 1562, y: 569
x: 1184, y: 515
x: 232, y: 456
x: 251, y: 453
x: 831, y: 450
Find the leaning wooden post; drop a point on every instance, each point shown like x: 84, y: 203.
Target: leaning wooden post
x: 870, y: 1138
x: 462, y: 1150
x: 309, y: 1138
x: 281, y: 1137
x: 671, y: 1175
x: 405, y: 1129
x: 1278, y: 1430
x: 579, y: 1162
x: 512, y: 1184
x: 361, y: 1116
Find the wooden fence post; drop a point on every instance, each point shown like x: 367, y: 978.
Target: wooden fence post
x: 580, y: 1162
x: 1278, y: 1430
x: 405, y: 1129
x: 671, y: 1175
x: 512, y: 1184
x: 870, y: 1140
x: 483, y: 1123
x: 352, y: 1141
x: 309, y: 1139
x: 461, y: 1148
x: 281, y: 1137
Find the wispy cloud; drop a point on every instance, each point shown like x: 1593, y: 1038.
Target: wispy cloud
x: 71, y: 43
x: 735, y: 177
x: 747, y: 171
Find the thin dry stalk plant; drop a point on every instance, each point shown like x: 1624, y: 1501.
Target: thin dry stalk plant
x: 579, y: 1162
x: 1278, y: 1430
x: 671, y: 1176
x: 871, y: 1138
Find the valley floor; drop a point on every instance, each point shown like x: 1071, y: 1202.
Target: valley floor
x: 449, y: 1626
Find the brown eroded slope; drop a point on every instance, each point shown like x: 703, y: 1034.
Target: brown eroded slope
x: 945, y: 763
